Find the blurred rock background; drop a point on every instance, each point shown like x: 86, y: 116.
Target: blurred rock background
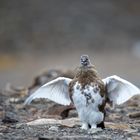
x: 36, y: 35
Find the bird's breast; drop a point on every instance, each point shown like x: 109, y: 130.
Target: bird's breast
x: 87, y: 96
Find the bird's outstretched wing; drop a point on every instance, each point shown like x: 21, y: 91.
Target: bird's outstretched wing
x: 119, y: 90
x: 55, y: 90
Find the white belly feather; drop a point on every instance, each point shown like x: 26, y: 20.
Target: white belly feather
x: 88, y: 109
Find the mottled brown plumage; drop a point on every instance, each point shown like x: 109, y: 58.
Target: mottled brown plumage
x: 88, y: 75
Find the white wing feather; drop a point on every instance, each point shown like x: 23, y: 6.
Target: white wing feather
x: 119, y: 90
x: 55, y: 90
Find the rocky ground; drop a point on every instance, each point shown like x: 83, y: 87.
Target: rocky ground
x: 45, y: 120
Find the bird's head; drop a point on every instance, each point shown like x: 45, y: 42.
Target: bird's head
x: 85, y: 61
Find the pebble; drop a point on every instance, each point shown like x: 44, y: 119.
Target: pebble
x: 53, y: 128
x: 19, y: 125
x: 10, y: 118
x: 93, y: 131
x: 134, y: 114
x: 129, y: 138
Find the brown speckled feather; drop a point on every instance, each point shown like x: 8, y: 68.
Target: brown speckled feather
x: 87, y: 75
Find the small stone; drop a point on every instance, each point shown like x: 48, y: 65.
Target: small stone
x: 95, y: 130
x: 19, y: 125
x: 121, y: 126
x: 134, y: 115
x: 73, y: 113
x: 130, y: 131
x: 14, y: 100
x: 2, y: 113
x: 10, y: 117
x: 53, y: 128
x: 129, y: 138
x: 102, y: 137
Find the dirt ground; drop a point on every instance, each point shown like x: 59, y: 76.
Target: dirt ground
x: 17, y: 122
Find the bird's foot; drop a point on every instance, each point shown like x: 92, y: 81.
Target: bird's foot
x: 85, y: 126
x: 93, y: 126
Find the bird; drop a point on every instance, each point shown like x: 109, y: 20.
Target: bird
x: 88, y: 92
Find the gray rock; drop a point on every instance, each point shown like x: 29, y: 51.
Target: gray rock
x: 93, y: 131
x: 53, y: 128
x: 10, y: 117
